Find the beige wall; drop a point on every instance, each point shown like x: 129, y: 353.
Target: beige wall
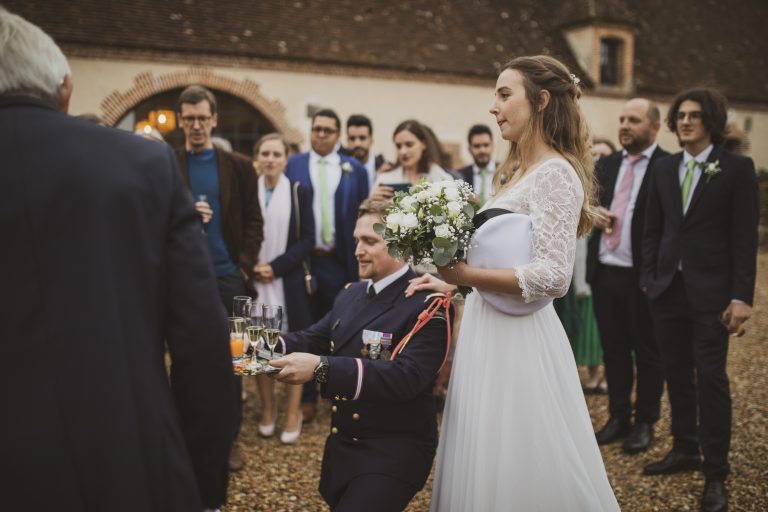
x: 449, y: 109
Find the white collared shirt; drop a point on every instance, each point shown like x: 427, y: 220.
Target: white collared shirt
x: 622, y: 255
x: 386, y: 281
x: 477, y: 184
x: 701, y: 158
x: 370, y: 168
x: 333, y: 177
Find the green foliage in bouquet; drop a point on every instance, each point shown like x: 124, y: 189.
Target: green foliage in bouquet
x: 431, y: 223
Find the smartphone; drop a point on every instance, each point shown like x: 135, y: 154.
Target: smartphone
x: 398, y: 187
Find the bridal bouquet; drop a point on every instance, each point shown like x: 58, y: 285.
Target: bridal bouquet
x: 431, y: 223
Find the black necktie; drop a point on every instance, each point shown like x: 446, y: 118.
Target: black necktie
x: 371, y: 293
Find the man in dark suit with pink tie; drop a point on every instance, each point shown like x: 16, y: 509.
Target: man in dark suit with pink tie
x: 630, y: 351
x: 698, y: 268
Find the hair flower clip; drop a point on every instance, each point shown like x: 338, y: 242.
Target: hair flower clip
x: 576, y: 80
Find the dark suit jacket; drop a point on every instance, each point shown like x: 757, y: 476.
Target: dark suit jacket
x: 378, y: 161
x: 103, y: 264
x: 607, y: 171
x: 391, y: 428
x: 716, y: 239
x: 465, y: 173
x: 242, y: 224
x: 289, y: 264
x: 352, y: 190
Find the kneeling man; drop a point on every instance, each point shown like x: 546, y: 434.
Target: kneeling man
x: 384, y: 423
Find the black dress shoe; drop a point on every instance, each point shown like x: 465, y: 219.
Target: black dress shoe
x: 714, y: 498
x: 614, y: 430
x: 639, y: 438
x: 675, y: 462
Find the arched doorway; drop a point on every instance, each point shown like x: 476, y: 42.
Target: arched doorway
x: 239, y: 122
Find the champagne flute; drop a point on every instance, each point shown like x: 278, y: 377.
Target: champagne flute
x: 273, y: 320
x: 256, y: 316
x: 204, y: 199
x: 240, y: 305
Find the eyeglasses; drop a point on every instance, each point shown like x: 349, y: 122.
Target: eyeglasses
x: 695, y: 115
x: 190, y: 120
x: 325, y: 131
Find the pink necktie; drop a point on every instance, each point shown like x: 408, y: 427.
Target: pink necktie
x: 621, y: 202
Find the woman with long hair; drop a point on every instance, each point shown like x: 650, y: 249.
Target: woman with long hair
x: 516, y: 432
x: 417, y: 156
x: 289, y: 235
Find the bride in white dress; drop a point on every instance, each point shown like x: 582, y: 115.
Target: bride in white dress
x: 516, y: 433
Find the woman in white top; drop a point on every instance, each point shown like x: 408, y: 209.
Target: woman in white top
x: 516, y: 432
x: 417, y: 159
x: 289, y: 234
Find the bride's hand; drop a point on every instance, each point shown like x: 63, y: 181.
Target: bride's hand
x: 428, y: 282
x: 452, y: 272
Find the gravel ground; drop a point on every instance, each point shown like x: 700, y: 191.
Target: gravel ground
x: 284, y: 478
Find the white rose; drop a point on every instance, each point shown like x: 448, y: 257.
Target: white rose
x: 454, y: 208
x: 443, y: 231
x: 424, y: 196
x: 408, y: 202
x: 393, y: 220
x: 409, y: 221
x: 451, y: 193
x: 436, y: 188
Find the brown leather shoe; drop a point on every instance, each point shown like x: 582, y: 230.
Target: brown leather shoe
x: 236, y: 461
x: 307, y: 412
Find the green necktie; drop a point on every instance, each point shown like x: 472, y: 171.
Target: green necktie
x: 482, y: 185
x: 325, y: 209
x: 686, y: 188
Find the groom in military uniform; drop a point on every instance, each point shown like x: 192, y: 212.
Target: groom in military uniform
x: 384, y: 424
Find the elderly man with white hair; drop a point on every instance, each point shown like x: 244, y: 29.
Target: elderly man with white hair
x: 103, y: 265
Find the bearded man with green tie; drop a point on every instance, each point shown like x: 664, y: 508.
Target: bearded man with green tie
x: 480, y: 174
x: 698, y: 270
x: 338, y: 184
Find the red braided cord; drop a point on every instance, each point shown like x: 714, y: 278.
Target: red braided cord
x: 424, y: 317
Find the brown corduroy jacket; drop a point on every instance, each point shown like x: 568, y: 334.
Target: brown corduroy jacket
x: 242, y: 224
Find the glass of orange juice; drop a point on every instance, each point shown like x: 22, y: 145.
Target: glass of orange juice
x: 236, y: 337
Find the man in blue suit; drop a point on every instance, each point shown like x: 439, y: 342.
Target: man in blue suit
x: 383, y: 432
x: 338, y: 184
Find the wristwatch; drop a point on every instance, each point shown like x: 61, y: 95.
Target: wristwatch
x: 321, y: 371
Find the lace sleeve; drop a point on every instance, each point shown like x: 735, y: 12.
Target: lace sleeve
x: 555, y: 206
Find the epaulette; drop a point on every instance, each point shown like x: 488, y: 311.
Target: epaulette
x: 433, y: 295
x: 347, y: 285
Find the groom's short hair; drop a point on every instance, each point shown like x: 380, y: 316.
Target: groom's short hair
x: 376, y: 207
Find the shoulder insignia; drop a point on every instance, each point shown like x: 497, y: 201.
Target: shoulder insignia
x: 347, y: 285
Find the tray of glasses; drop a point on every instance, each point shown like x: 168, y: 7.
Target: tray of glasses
x: 255, y: 363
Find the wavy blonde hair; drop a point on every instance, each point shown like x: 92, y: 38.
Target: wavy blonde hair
x: 560, y: 124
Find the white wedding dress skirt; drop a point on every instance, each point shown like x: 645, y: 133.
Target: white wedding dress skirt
x: 516, y: 434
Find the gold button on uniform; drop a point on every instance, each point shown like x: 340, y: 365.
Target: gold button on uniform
x: 334, y: 408
x: 355, y: 416
x: 334, y: 430
x: 336, y: 397
x: 355, y: 439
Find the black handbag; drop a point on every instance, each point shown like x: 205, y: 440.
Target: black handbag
x: 310, y: 283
